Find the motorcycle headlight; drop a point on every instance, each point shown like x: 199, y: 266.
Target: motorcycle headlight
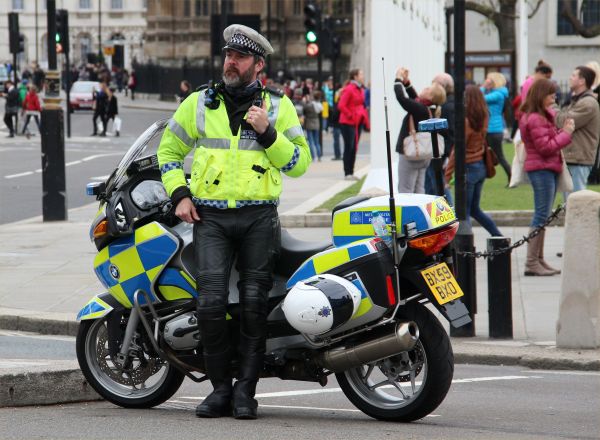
x: 149, y: 194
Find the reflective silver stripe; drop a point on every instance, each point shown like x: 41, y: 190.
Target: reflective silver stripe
x: 221, y: 144
x: 274, y: 111
x: 249, y: 144
x: 293, y: 132
x: 180, y: 132
x: 200, y: 122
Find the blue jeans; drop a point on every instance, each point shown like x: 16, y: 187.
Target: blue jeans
x: 475, y: 179
x: 430, y: 185
x: 580, y: 174
x: 544, y: 191
x: 313, y: 142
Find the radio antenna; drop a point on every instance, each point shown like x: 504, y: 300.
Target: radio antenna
x: 394, y: 232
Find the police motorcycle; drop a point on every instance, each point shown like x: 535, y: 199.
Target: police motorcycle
x: 358, y: 307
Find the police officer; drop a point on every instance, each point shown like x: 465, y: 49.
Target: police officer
x: 244, y: 136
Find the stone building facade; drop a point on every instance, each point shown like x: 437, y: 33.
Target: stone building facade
x: 122, y: 25
x: 181, y: 29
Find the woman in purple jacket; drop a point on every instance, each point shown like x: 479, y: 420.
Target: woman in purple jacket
x: 543, y: 144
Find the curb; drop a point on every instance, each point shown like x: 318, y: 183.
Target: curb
x: 45, y: 388
x: 39, y: 325
x: 534, y: 362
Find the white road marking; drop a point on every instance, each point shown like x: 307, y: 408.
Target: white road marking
x: 14, y: 363
x: 310, y: 408
x: 12, y: 176
x: 568, y: 372
x: 68, y: 164
x: 37, y: 336
x: 337, y: 389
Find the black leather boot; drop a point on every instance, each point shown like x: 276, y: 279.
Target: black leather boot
x: 217, y: 360
x: 217, y: 403
x: 252, y: 352
x: 245, y: 406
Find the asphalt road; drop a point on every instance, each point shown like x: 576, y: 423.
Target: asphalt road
x: 87, y: 158
x: 485, y: 402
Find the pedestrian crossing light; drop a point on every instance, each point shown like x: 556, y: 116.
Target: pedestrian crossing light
x: 312, y: 24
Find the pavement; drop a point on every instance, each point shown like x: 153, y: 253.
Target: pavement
x: 46, y: 273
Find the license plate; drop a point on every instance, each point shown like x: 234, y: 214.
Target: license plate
x: 442, y: 283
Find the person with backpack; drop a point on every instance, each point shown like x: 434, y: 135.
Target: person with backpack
x: 496, y: 94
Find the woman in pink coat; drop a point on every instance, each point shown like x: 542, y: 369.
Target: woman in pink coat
x: 353, y: 114
x: 543, y: 144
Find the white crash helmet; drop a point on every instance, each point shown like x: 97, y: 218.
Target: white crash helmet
x: 320, y: 304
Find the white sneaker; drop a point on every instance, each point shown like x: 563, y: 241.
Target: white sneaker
x: 351, y: 177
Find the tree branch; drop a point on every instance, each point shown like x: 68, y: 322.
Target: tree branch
x: 486, y: 11
x: 537, y: 6
x: 585, y: 32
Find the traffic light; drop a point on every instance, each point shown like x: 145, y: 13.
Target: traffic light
x: 312, y: 24
x: 62, y: 31
x: 13, y: 32
x: 21, y: 43
x: 336, y: 46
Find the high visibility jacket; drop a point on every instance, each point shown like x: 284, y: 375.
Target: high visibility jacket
x: 231, y: 170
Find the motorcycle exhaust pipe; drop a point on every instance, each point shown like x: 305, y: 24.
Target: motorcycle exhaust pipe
x: 402, y: 337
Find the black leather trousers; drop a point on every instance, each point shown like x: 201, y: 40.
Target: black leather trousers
x: 253, y: 235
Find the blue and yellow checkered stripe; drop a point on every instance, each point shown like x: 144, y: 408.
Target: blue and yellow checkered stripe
x: 139, y: 258
x: 94, y: 309
x: 328, y: 259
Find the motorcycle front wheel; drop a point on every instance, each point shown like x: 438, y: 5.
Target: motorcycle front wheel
x: 146, y: 381
x: 409, y: 385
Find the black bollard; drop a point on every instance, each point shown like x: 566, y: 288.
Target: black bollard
x: 499, y: 290
x: 54, y: 198
x: 466, y: 277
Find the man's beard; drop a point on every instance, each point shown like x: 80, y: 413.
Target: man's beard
x: 234, y: 78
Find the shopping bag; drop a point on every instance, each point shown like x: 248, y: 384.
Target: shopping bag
x: 518, y: 173
x: 117, y: 124
x: 565, y: 181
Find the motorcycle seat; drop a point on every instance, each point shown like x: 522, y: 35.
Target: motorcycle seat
x: 294, y: 252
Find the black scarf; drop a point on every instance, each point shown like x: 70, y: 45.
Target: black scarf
x: 238, y: 100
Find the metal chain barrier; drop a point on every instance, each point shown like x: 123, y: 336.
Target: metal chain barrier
x: 517, y: 243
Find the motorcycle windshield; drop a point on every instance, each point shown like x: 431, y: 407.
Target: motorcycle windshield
x: 118, y: 176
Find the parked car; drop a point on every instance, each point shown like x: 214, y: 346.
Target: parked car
x: 81, y: 96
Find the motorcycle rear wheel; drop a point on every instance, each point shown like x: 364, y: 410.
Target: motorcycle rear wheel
x: 410, y: 385
x: 147, y: 383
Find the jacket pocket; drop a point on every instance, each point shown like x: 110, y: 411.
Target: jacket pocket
x: 263, y: 181
x: 206, y: 174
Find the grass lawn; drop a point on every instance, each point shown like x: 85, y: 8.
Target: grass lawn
x: 342, y: 195
x: 495, y: 197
